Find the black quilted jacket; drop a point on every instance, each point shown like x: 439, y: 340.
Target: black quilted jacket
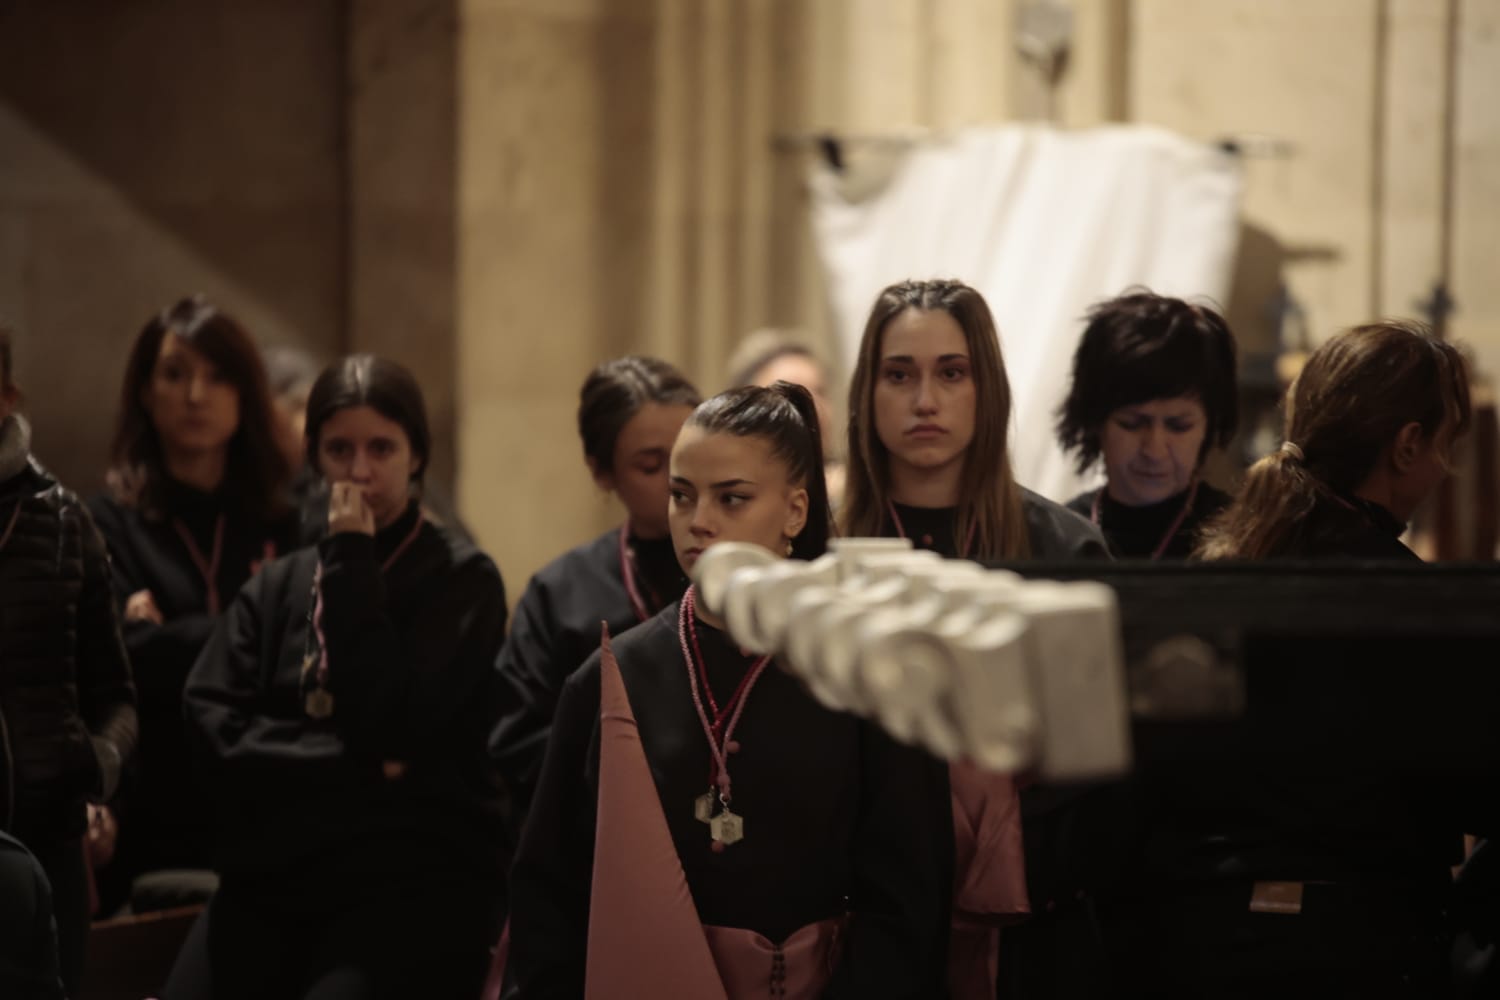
x: 67, y: 705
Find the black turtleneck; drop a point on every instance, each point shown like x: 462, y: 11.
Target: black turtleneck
x: 557, y: 625
x: 1137, y: 532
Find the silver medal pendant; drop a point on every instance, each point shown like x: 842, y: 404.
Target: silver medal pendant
x: 727, y: 828
x: 703, y: 808
x: 319, y: 703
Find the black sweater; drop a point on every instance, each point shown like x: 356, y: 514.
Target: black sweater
x: 410, y: 669
x: 556, y: 627
x: 1137, y: 532
x: 1054, y: 531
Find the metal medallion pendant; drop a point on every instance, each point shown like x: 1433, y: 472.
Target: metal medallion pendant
x: 727, y: 828
x: 703, y: 808
x: 319, y: 703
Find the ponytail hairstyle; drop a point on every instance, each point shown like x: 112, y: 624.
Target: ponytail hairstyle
x: 989, y: 500
x: 615, y: 392
x: 785, y: 416
x: 1140, y: 347
x: 1352, y: 398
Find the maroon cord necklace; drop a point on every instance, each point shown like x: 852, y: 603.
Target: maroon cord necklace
x: 726, y: 827
x: 1172, y: 530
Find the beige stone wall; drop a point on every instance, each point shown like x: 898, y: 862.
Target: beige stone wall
x: 154, y: 149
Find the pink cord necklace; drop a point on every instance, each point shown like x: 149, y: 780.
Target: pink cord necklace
x: 726, y: 827
x: 319, y: 700
x: 1171, y: 531
x: 209, y: 568
x: 963, y: 553
x: 627, y: 572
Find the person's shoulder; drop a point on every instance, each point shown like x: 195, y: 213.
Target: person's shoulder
x: 1057, y: 532
x: 1082, y: 504
x: 1210, y: 500
x: 596, y: 557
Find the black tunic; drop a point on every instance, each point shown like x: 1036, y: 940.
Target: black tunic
x: 838, y: 818
x: 369, y: 839
x: 1054, y: 531
x: 1137, y: 532
x: 161, y: 825
x: 410, y: 652
x: 556, y: 627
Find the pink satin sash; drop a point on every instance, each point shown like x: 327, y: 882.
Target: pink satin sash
x: 989, y: 877
x: 645, y: 937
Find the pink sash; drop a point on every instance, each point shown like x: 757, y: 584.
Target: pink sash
x: 989, y: 877
x: 645, y: 937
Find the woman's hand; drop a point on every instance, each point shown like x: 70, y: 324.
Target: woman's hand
x: 141, y: 607
x: 103, y: 832
x: 348, y: 511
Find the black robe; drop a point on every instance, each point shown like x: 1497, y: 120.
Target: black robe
x: 556, y: 628
x: 1054, y: 531
x: 383, y: 820
x: 161, y: 825
x: 838, y: 818
x: 1136, y: 532
x: 1051, y: 953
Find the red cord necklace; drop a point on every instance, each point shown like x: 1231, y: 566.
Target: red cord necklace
x: 642, y: 609
x: 963, y: 553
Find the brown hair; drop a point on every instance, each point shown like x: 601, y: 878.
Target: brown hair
x: 256, y: 471
x: 384, y: 386
x: 989, y: 499
x: 1352, y: 398
x: 615, y: 392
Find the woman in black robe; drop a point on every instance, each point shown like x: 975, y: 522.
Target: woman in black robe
x: 196, y: 504
x: 629, y: 412
x: 342, y: 706
x: 818, y: 869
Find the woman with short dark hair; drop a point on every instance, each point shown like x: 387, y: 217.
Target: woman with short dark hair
x: 341, y: 709
x: 195, y: 504
x: 1153, y: 393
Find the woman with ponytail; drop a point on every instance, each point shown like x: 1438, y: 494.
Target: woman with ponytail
x: 1288, y: 866
x: 1370, y: 424
x: 703, y: 827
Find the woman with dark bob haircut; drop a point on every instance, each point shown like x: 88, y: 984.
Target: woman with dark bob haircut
x: 195, y: 505
x: 1153, y: 392
x: 341, y: 709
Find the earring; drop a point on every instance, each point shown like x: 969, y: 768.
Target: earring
x: 788, y: 547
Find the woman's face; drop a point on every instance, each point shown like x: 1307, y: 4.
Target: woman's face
x: 359, y: 445
x: 728, y: 488
x: 1151, y: 449
x: 193, y: 405
x: 924, y: 397
x: 799, y: 369
x: 639, y: 473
